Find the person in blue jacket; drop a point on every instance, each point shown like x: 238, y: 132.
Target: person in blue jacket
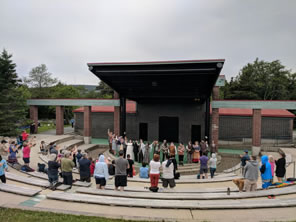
x: 265, y: 170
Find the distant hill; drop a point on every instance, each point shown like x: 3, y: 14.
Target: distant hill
x: 87, y: 87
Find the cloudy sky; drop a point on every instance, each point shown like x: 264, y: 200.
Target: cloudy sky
x: 66, y: 34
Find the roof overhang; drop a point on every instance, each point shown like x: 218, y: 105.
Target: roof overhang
x: 162, y: 81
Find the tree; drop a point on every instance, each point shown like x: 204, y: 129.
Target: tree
x: 260, y: 80
x: 13, y: 107
x: 39, y: 77
x: 105, y: 90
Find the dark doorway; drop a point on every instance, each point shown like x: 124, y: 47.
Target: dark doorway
x: 143, y: 131
x: 195, y: 133
x: 169, y: 129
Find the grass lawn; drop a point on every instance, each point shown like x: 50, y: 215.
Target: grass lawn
x: 16, y: 215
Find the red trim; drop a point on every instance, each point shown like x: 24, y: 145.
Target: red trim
x: 155, y: 62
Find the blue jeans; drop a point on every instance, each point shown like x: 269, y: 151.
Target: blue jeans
x: 212, y: 171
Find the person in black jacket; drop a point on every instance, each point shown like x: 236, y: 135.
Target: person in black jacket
x: 136, y: 150
x: 84, y: 166
x: 281, y: 167
x: 53, y: 170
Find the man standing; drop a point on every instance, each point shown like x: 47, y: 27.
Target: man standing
x: 121, y: 166
x: 84, y: 166
x: 251, y: 174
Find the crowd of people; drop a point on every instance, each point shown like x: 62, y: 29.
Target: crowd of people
x: 268, y: 169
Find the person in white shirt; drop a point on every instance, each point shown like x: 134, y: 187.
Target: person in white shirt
x: 154, y: 171
x: 168, y: 173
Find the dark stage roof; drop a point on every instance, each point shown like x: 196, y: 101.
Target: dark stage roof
x: 163, y: 81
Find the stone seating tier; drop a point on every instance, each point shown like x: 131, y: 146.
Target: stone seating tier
x: 19, y: 190
x: 173, y: 204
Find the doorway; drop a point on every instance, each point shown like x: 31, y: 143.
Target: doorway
x: 143, y: 131
x: 168, y: 129
x: 195, y: 133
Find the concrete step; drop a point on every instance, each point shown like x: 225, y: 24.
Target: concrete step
x: 9, y: 188
x: 87, y: 147
x: 27, y: 180
x: 70, y: 144
x: 173, y: 204
x: 59, y: 140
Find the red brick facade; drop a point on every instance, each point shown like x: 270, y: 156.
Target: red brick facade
x: 256, y: 137
x: 87, y: 121
x: 59, y: 120
x: 34, y: 116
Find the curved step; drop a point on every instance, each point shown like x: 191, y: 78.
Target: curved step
x: 9, y: 188
x: 173, y: 204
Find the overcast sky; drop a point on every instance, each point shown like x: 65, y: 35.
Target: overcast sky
x: 67, y: 34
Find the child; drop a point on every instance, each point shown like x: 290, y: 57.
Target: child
x: 3, y: 167
x: 144, y: 171
x: 272, y: 164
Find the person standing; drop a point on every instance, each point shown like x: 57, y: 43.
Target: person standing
x: 26, y: 153
x: 213, y: 147
x: 281, y: 167
x: 244, y: 159
x: 181, y: 150
x: 204, y: 166
x: 203, y: 147
x: 129, y: 150
x: 3, y: 168
x: 213, y: 164
x: 251, y: 174
x: 265, y: 170
x: 130, y: 169
x: 154, y: 172
x: 101, y: 173
x: 164, y: 149
x: 84, y: 168
x: 53, y: 170
x: 196, y: 152
x: 121, y: 165
x: 142, y: 151
x: 67, y: 165
x: 146, y: 153
x: 136, y: 150
x: 189, y: 150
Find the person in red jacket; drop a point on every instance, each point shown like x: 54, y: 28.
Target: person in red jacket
x: 92, y: 166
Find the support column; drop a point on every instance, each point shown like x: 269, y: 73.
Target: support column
x: 215, y: 119
x: 87, y: 124
x: 34, y: 116
x: 256, y: 132
x: 207, y: 119
x: 122, y: 116
x: 59, y: 120
x: 116, y: 116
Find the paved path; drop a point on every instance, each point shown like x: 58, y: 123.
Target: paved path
x: 67, y: 130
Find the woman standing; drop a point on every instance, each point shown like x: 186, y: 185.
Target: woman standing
x: 114, y: 144
x: 154, y: 172
x: 129, y: 150
x: 196, y: 154
x: 142, y: 151
x: 164, y: 150
x: 281, y: 167
x: 181, y: 150
x: 101, y: 173
x: 26, y: 153
x: 189, y: 150
x: 146, y: 153
x: 172, y: 150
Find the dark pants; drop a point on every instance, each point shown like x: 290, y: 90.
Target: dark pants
x: 181, y: 159
x: 212, y: 171
x: 68, y: 178
x: 53, y: 178
x: 3, y: 178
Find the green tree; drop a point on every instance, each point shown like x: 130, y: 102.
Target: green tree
x: 105, y: 91
x: 260, y: 80
x: 13, y: 107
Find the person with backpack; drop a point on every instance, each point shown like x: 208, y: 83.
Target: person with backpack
x: 3, y: 168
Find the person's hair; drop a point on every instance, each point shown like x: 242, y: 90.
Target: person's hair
x: 181, y: 143
x: 270, y: 158
x: 283, y: 154
x: 144, y: 164
x: 79, y: 151
x: 3, y: 141
x: 84, y: 155
x: 156, y: 157
x: 67, y: 154
x: 42, y: 142
x: 13, y: 142
x: 61, y: 151
x: 121, y: 153
x: 90, y: 159
x: 113, y: 161
x: 128, y: 156
x: 52, y: 157
x: 253, y: 157
x: 203, y: 154
x: 0, y: 157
